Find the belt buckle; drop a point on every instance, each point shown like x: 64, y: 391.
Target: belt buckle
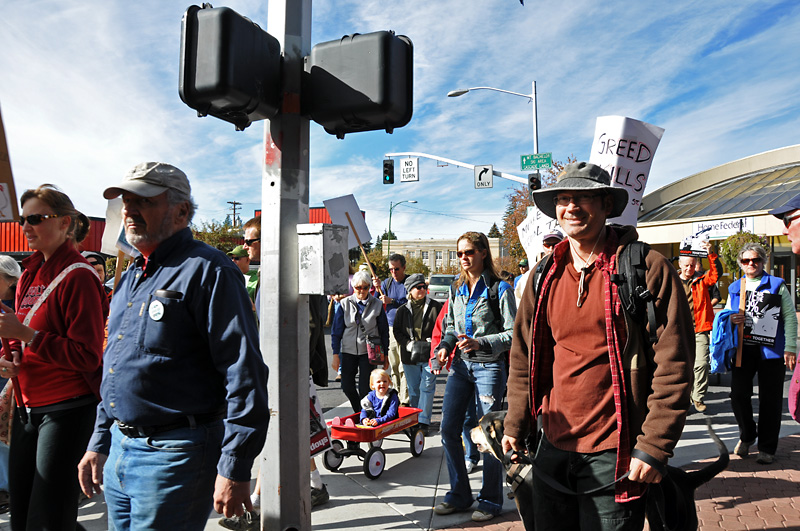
x: 133, y: 432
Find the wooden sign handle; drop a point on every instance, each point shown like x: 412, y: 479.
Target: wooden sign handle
x: 740, y: 328
x: 360, y: 246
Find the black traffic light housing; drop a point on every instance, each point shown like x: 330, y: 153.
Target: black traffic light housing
x: 360, y: 83
x: 230, y: 67
x: 534, y: 181
x: 388, y: 171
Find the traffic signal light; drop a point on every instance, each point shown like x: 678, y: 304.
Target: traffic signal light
x: 534, y: 182
x: 230, y: 67
x: 388, y: 171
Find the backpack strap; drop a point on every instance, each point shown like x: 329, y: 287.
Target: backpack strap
x: 631, y: 282
x: 541, y: 267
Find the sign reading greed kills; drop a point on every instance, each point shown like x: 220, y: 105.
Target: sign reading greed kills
x: 624, y: 147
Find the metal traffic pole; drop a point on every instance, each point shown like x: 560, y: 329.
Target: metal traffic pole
x: 285, y: 470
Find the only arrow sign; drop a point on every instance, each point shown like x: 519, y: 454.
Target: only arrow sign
x: 484, y: 176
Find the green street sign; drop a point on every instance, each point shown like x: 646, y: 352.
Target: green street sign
x: 535, y: 161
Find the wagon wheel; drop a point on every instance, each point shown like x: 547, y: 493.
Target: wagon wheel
x: 374, y: 463
x: 332, y: 459
x: 417, y: 443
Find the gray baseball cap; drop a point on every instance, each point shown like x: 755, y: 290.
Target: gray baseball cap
x: 150, y: 179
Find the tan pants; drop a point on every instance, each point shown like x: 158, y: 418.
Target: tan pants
x: 398, y: 374
x: 701, y: 366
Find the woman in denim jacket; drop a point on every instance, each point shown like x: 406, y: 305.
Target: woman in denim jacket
x: 481, y: 331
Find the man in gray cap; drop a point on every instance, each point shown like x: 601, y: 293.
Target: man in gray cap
x: 184, y: 402
x: 579, y: 365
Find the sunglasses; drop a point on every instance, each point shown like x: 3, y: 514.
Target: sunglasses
x: 251, y: 242
x: 394, y: 269
x: 787, y: 220
x: 35, y: 219
x: 465, y: 252
x: 237, y: 258
x: 748, y: 261
x: 361, y: 288
x: 420, y: 286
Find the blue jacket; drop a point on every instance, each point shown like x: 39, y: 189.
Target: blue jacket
x: 724, y: 341
x: 382, y: 409
x: 397, y: 292
x: 771, y: 284
x: 182, y: 341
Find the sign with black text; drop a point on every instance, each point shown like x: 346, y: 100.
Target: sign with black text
x: 409, y: 170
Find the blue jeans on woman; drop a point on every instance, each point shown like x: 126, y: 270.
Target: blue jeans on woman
x: 162, y: 482
x: 483, y: 384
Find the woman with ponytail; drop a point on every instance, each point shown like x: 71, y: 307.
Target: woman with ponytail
x: 56, y: 340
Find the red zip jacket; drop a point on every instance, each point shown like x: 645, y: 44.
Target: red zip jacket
x: 703, y: 311
x: 64, y: 360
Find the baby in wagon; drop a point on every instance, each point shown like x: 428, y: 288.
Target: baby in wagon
x: 381, y: 405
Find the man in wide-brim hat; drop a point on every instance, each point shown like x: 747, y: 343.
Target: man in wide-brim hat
x: 581, y: 366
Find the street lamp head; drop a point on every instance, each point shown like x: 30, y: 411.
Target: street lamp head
x: 457, y: 93
x: 412, y: 201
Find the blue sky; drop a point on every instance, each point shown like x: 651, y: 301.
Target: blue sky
x: 89, y: 89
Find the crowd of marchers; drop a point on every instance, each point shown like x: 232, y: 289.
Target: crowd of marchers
x: 155, y: 394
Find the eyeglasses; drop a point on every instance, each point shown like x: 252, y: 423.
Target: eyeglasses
x: 548, y: 245
x: 748, y: 261
x: 35, y: 219
x: 578, y: 199
x: 787, y: 220
x: 465, y: 252
x: 420, y: 286
x: 251, y: 242
x: 394, y: 269
x: 361, y: 288
x: 236, y: 258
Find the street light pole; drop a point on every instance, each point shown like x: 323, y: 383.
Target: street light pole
x: 389, y: 236
x: 531, y: 97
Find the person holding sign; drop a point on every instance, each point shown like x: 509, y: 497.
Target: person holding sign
x: 770, y: 345
x: 697, y: 287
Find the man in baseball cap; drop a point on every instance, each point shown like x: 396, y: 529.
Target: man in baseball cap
x: 789, y: 213
x: 182, y: 366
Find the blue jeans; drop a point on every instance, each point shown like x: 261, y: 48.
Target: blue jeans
x: 427, y: 388
x: 482, y: 383
x: 470, y: 421
x: 4, y: 467
x: 162, y: 482
x: 413, y: 379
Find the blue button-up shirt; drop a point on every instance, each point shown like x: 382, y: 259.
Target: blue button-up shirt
x: 182, y: 341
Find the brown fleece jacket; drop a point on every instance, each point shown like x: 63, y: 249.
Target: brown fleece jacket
x: 657, y: 384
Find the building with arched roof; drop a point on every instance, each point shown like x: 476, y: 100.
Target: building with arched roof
x: 728, y: 198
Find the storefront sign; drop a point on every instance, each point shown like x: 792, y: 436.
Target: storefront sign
x: 722, y: 228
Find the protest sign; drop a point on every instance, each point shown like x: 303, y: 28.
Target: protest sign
x: 763, y: 313
x: 339, y: 208
x: 8, y: 195
x: 531, y: 230
x: 320, y: 437
x: 694, y: 244
x: 624, y: 147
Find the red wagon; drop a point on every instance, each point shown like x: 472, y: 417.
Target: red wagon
x: 347, y: 429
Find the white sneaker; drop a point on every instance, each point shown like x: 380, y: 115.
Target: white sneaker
x: 470, y: 465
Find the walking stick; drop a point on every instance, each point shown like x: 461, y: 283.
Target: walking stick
x: 23, y: 413
x: 369, y: 265
x: 740, y: 330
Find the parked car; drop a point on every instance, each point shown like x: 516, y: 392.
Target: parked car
x: 439, y: 286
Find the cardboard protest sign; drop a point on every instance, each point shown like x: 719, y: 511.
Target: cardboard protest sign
x: 624, y: 147
x: 8, y: 195
x: 694, y: 244
x: 339, y: 208
x: 532, y: 229
x: 763, y: 312
x: 114, y: 233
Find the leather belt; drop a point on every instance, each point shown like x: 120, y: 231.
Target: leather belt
x: 189, y: 421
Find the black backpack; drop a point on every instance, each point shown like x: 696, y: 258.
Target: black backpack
x: 637, y: 301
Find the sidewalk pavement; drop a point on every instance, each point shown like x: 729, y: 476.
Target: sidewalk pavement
x: 746, y: 496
